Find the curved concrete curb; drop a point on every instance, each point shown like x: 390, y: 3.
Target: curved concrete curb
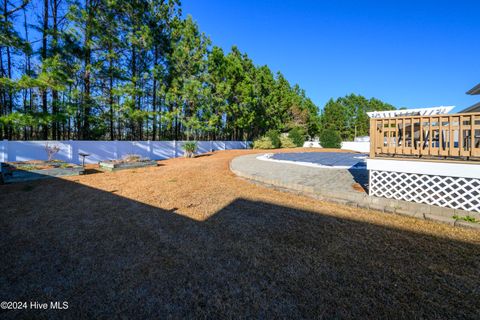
x: 242, y: 167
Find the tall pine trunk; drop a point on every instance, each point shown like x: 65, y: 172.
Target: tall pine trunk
x: 154, y: 98
x: 134, y: 93
x: 55, y: 124
x: 8, y: 94
x: 44, y: 57
x: 27, y: 106
x: 86, y: 76
x: 110, y: 97
x: 2, y: 93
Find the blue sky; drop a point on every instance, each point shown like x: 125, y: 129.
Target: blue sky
x: 409, y: 53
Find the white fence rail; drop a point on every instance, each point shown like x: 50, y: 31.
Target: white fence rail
x: 106, y: 150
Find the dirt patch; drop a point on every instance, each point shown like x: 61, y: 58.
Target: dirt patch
x: 358, y: 187
x: 190, y: 239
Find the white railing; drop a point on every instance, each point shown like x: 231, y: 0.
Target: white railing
x: 106, y: 150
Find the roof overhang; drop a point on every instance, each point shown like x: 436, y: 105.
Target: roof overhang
x: 411, y: 112
x: 474, y: 90
x: 474, y: 108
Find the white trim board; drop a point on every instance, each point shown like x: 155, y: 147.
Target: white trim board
x: 446, y: 169
x: 411, y: 112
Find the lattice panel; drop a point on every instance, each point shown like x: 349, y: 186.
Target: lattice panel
x: 452, y: 192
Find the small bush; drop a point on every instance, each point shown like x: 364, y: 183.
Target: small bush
x: 274, y: 137
x: 263, y: 143
x: 189, y: 149
x: 330, y: 138
x: 297, y: 136
x: 287, y: 142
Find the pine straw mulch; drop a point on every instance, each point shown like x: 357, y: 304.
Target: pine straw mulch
x: 190, y: 239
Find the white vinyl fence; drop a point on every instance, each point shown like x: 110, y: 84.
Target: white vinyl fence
x: 106, y: 150
x: 359, y: 146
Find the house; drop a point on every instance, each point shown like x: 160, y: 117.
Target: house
x: 476, y: 107
x: 429, y: 157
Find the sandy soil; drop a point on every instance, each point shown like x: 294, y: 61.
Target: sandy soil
x: 190, y: 239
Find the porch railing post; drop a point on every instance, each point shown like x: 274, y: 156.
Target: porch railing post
x: 373, y: 137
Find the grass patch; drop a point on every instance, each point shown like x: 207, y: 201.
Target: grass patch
x: 465, y: 218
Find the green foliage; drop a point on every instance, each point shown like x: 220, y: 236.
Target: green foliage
x: 123, y: 70
x: 348, y: 115
x: 286, y: 142
x: 330, y: 138
x: 274, y: 137
x: 190, y: 146
x: 263, y: 143
x: 466, y: 218
x: 297, y: 135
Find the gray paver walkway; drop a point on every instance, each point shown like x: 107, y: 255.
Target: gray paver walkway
x: 317, y: 179
x: 337, y: 185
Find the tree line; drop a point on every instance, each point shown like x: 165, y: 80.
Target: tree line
x: 138, y: 70
x: 117, y: 69
x: 348, y: 115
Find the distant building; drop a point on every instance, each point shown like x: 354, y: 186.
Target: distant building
x: 476, y: 107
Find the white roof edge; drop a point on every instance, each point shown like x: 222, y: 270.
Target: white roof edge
x: 411, y: 112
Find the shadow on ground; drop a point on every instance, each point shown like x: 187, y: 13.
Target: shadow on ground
x: 360, y: 176
x: 110, y: 256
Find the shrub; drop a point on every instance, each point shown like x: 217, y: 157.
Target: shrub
x: 263, y: 143
x: 287, y: 142
x: 297, y: 136
x: 330, y: 138
x: 189, y: 149
x: 274, y: 137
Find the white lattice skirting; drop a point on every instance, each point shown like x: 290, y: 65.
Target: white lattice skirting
x: 452, y: 192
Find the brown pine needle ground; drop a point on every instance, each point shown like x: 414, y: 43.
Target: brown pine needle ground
x: 190, y: 239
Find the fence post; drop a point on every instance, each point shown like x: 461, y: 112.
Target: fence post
x: 115, y: 148
x: 373, y: 137
x: 211, y: 145
x: 224, y: 146
x: 70, y: 151
x: 4, y: 151
x: 174, y: 148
